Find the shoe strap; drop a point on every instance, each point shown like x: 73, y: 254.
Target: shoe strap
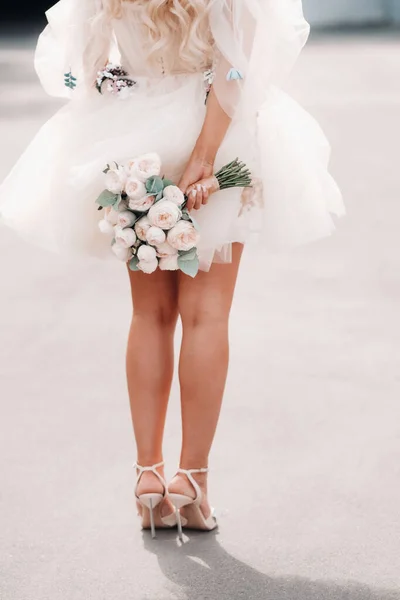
x: 197, y: 489
x: 152, y: 469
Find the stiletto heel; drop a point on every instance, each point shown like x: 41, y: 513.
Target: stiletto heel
x: 150, y: 503
x: 179, y: 523
x: 194, y: 517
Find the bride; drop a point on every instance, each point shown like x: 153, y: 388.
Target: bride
x: 206, y: 87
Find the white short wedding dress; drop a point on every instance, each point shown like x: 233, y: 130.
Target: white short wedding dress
x: 256, y: 42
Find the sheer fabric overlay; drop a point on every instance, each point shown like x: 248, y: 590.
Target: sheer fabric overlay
x: 256, y: 44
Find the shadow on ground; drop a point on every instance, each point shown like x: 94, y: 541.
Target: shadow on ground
x: 203, y: 570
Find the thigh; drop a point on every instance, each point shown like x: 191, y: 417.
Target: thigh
x: 209, y: 295
x: 155, y: 295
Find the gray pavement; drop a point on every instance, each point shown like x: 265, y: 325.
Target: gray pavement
x: 305, y: 469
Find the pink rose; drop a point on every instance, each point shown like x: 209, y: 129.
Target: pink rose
x: 169, y: 263
x: 142, y: 204
x: 155, y: 236
x: 174, y: 194
x: 183, y: 236
x: 143, y: 167
x: 148, y: 266
x: 135, y: 189
x: 164, y: 214
x: 164, y: 250
x: 142, y: 226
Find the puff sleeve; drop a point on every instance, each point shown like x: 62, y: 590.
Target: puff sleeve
x: 73, y: 47
x: 257, y: 42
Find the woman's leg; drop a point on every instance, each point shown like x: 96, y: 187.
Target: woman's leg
x: 149, y: 364
x: 204, y: 305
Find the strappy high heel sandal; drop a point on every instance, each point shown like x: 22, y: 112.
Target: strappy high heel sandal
x: 194, y: 517
x: 150, y: 503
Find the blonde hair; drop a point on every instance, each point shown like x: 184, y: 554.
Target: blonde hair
x: 175, y: 29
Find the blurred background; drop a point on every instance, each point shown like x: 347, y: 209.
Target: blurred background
x: 321, y: 12
x: 305, y: 470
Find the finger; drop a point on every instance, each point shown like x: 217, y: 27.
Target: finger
x: 199, y: 197
x: 191, y: 197
x: 206, y: 194
x: 183, y: 185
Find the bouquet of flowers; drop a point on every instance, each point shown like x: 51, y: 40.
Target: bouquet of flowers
x: 145, y: 214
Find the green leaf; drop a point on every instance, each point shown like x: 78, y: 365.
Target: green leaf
x: 186, y: 216
x: 117, y: 205
x: 188, y: 254
x: 167, y: 182
x: 154, y: 185
x: 107, y: 198
x: 133, y: 264
x: 189, y: 267
x: 195, y: 223
x: 159, y: 196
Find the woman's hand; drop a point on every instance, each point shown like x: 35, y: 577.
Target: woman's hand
x: 191, y: 183
x: 197, y: 181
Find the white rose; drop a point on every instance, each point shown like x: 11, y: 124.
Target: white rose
x: 124, y: 237
x: 183, y: 236
x: 143, y: 167
x: 164, y: 250
x: 146, y: 254
x: 106, y: 227
x: 122, y: 253
x: 148, y: 267
x: 169, y: 263
x: 164, y: 214
x: 115, y: 180
x: 155, y: 236
x: 142, y: 204
x: 126, y: 219
x: 174, y: 194
x: 135, y: 189
x: 111, y: 215
x: 142, y: 226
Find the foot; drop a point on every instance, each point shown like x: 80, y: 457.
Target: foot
x: 181, y: 485
x: 149, y: 484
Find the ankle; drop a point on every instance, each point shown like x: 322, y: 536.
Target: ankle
x: 200, y: 478
x: 148, y: 460
x: 193, y: 462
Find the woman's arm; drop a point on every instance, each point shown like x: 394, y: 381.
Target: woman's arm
x: 201, y: 163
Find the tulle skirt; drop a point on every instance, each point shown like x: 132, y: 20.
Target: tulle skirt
x: 49, y: 197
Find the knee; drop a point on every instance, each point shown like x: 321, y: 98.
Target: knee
x: 162, y: 315
x: 213, y: 316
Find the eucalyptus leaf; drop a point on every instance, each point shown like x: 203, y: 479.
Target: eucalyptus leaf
x: 167, y: 182
x: 159, y: 196
x: 194, y: 223
x: 186, y: 216
x: 107, y: 198
x: 117, y: 204
x: 133, y: 264
x: 188, y: 254
x: 189, y: 267
x: 154, y: 185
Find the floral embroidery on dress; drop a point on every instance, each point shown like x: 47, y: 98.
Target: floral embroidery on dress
x: 252, y: 197
x: 70, y: 80
x: 117, y: 81
x: 234, y: 75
